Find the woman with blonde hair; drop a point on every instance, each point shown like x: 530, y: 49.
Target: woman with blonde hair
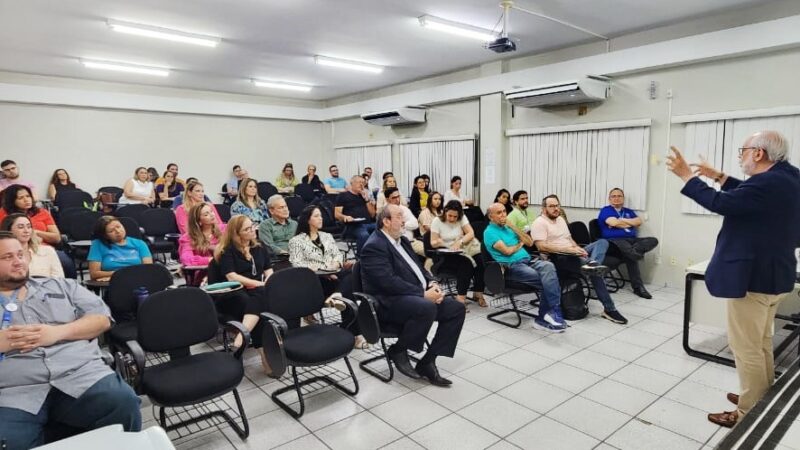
x: 388, y: 181
x: 196, y: 246
x: 286, y: 181
x: 249, y: 204
x: 42, y: 258
x: 241, y: 258
x: 194, y: 195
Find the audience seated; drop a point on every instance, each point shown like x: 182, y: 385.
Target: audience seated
x: 42, y: 259
x: 355, y: 212
x: 249, y: 203
x: 178, y: 201
x: 410, y: 223
x: 619, y: 226
x: 335, y: 184
x: 286, y: 181
x: 11, y: 177
x: 388, y: 182
x: 454, y: 193
x: 112, y: 249
x: 311, y: 179
x: 452, y: 231
x: 433, y: 210
x: 59, y: 182
x: 409, y: 298
x: 168, y: 189
x: 551, y: 235
x: 276, y: 231
x: 504, y: 198
x: 232, y: 187
x: 173, y: 169
x: 427, y: 179
x: 53, y: 371
x: 504, y: 242
x: 372, y: 183
x: 139, y: 189
x: 196, y: 246
x: 194, y: 195
x: 520, y: 217
x: 419, y: 196
x: 18, y: 198
x: 241, y: 258
x: 152, y: 174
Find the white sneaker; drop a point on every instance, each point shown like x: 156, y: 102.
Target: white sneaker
x: 553, y: 322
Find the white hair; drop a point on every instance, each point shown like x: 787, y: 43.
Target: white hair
x: 272, y: 202
x: 772, y: 142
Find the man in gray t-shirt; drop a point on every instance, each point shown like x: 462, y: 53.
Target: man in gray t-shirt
x: 51, y: 369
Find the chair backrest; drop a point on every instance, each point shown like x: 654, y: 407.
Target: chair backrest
x: 120, y: 297
x: 224, y: 211
x: 67, y: 265
x: 493, y: 275
x: 114, y: 190
x: 306, y: 192
x: 426, y: 242
x: 294, y: 292
x: 296, y: 205
x: 266, y: 190
x: 79, y: 225
x: 158, y: 222
x: 474, y: 214
x: 594, y: 230
x: 580, y: 233
x: 356, y: 277
x: 132, y: 211
x: 76, y: 198
x: 215, y: 275
x: 131, y: 227
x: 479, y: 227
x: 176, y: 319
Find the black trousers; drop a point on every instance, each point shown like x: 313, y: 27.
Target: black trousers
x: 416, y: 316
x: 465, y: 273
x: 632, y: 250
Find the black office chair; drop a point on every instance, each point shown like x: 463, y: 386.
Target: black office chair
x: 73, y: 199
x: 266, y: 190
x: 291, y: 294
x: 296, y: 205
x: 172, y: 321
x: 224, y: 211
x: 113, y: 190
x: 474, y: 214
x: 79, y: 230
x: 306, y: 192
x: 132, y: 211
x: 123, y: 303
x: 161, y: 229
x: 581, y: 235
x: 132, y: 229
x: 504, y: 292
x: 444, y: 266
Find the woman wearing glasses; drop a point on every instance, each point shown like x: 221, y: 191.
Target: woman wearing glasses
x: 241, y: 258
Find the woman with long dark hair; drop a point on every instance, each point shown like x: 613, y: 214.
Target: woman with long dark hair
x: 18, y: 198
x: 112, y: 249
x: 60, y: 182
x: 419, y: 196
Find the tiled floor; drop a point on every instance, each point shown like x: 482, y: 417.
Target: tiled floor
x: 598, y: 385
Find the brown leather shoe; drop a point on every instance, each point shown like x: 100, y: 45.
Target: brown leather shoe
x: 733, y: 398
x: 725, y: 419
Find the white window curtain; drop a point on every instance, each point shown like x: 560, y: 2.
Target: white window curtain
x: 441, y: 160
x: 718, y: 141
x: 581, y: 166
x: 353, y: 159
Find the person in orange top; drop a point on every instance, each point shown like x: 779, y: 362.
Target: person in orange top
x: 18, y: 198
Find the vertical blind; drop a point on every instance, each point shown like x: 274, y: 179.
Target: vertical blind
x: 581, y: 166
x: 718, y: 141
x: 441, y: 160
x: 353, y: 160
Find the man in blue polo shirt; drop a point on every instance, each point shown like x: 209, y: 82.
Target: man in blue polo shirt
x: 334, y: 184
x: 618, y: 225
x: 505, y: 242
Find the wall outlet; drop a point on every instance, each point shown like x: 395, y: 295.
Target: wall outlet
x: 658, y: 259
x: 673, y: 261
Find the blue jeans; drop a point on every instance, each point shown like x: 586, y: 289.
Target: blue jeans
x: 109, y: 401
x: 540, y: 275
x: 360, y: 232
x: 597, y: 252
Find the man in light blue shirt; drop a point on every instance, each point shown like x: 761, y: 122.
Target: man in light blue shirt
x: 334, y: 184
x: 505, y: 242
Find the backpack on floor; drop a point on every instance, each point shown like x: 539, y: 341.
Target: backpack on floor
x: 573, y: 301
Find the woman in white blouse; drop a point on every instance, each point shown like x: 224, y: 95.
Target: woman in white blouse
x: 43, y: 261
x: 139, y: 189
x: 317, y: 250
x: 452, y: 231
x: 455, y: 193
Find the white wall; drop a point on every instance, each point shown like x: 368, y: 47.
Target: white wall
x: 103, y: 147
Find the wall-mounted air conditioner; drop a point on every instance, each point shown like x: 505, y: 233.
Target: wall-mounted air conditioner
x: 586, y: 90
x: 399, y: 116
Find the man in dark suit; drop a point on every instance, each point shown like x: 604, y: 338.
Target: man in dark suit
x: 753, y: 263
x: 409, y: 297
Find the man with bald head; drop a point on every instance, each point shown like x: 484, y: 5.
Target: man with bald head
x: 504, y: 243
x: 753, y: 265
x: 409, y: 298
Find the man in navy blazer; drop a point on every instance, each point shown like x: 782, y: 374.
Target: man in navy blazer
x: 753, y: 263
x: 408, y: 297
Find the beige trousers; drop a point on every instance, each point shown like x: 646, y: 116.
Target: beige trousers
x: 750, y: 330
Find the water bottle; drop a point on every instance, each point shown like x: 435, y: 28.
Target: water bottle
x: 141, y: 293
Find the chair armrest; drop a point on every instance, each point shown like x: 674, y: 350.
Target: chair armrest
x: 135, y: 379
x: 368, y: 317
x: 237, y: 327
x: 107, y: 358
x: 277, y: 320
x: 353, y: 307
x: 494, y: 277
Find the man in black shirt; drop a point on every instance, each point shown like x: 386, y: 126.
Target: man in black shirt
x: 355, y: 212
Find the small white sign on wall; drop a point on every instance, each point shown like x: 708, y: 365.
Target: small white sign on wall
x: 489, y: 160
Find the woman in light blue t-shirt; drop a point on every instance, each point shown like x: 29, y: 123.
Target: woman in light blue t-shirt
x: 112, y: 250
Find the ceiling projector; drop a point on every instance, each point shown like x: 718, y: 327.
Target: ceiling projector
x: 502, y: 45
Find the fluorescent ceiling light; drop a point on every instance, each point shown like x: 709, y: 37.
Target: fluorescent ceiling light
x: 163, y: 33
x: 460, y: 29
x: 283, y: 85
x: 347, y: 64
x: 125, y: 67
